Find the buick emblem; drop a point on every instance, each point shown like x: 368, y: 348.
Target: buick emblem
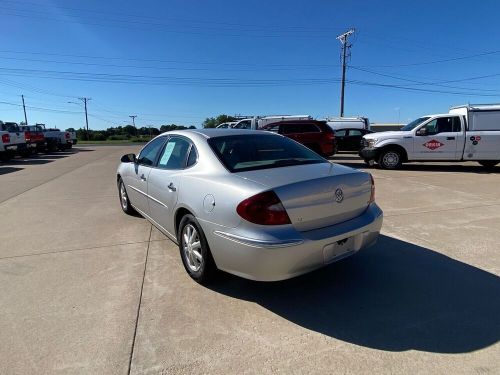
x: 339, y: 195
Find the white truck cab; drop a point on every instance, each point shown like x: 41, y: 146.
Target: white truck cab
x: 470, y: 132
x: 257, y: 122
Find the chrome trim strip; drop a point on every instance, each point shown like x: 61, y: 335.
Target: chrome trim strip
x: 139, y: 191
x: 148, y: 196
x: 257, y: 243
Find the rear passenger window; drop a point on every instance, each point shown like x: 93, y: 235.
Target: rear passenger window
x: 174, y: 154
x: 355, y: 133
x: 193, y: 157
x: 340, y: 133
x: 457, y: 126
x: 274, y: 129
x: 309, y: 128
x: 291, y: 128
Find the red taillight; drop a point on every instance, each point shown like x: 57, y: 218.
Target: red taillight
x: 5, y: 138
x: 264, y: 209
x: 372, y: 195
x: 27, y: 136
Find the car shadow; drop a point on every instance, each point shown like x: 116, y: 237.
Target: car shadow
x: 395, y: 296
x: 6, y: 170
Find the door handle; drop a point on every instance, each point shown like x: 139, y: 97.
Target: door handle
x: 450, y: 138
x: 142, y: 177
x: 171, y: 187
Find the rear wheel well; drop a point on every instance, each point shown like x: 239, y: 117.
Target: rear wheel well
x: 181, y: 212
x: 398, y: 148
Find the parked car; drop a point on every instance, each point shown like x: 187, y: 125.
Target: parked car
x: 35, y: 138
x: 251, y: 203
x: 16, y: 139
x: 313, y: 134
x: 466, y: 133
x: 350, y: 139
x: 226, y: 125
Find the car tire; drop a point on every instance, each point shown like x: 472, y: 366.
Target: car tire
x: 390, y: 159
x: 124, y: 199
x: 195, y: 253
x: 489, y: 164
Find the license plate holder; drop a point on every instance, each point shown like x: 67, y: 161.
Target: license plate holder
x: 338, y: 249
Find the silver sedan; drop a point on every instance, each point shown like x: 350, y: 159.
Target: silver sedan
x: 251, y: 203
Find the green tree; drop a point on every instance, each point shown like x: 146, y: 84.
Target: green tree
x: 213, y: 122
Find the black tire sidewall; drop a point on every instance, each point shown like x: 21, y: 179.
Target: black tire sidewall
x: 129, y: 210
x: 208, y: 266
x: 381, y: 159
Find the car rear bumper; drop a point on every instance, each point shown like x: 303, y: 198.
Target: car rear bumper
x: 278, y: 259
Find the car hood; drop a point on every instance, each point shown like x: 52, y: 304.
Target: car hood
x: 388, y: 134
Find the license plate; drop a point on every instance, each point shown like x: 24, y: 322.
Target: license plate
x: 338, y: 249
x: 11, y: 148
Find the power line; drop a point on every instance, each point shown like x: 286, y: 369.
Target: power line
x: 439, y: 83
x: 147, y: 26
x: 185, y: 20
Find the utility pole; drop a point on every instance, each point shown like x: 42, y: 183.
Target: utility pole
x: 343, y: 38
x: 85, y: 100
x: 133, y: 122
x: 24, y: 107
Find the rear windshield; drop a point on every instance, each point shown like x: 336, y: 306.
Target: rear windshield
x: 240, y: 153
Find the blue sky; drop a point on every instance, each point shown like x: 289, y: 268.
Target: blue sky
x: 179, y: 61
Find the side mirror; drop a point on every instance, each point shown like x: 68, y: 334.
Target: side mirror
x: 421, y: 131
x: 128, y: 158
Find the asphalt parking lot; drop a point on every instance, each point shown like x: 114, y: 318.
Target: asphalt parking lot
x: 87, y: 289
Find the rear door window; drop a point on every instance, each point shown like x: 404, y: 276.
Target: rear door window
x: 174, y: 154
x: 309, y: 128
x: 291, y: 128
x: 355, y: 133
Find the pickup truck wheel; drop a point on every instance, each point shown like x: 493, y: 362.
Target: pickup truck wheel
x: 390, y: 159
x: 194, y: 250
x: 124, y: 201
x: 489, y: 163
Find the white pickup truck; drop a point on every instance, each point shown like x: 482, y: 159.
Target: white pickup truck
x: 57, y: 139
x: 466, y: 133
x: 12, y: 140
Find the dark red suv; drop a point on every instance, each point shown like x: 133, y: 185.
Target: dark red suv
x: 316, y: 135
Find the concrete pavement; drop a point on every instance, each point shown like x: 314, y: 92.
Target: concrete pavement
x: 87, y: 289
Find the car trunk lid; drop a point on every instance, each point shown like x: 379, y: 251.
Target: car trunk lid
x: 317, y: 195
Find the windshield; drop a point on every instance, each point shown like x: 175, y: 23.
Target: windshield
x: 250, y: 152
x: 412, y: 125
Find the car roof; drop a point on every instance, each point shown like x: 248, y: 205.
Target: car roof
x: 292, y: 122
x: 213, y: 132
